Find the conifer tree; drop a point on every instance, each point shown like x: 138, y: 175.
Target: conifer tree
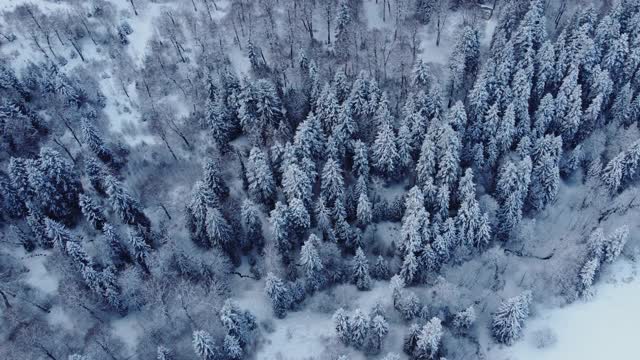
x: 204, y: 345
x: 213, y: 179
x: 96, y: 174
x: 378, y: 330
x: 508, y: 320
x: 363, y: 212
x: 429, y: 338
x: 252, y: 224
x: 260, y: 177
x: 342, y: 325
x: 91, y: 212
x: 117, y: 250
x: 218, y: 230
x: 385, y: 151
x: 360, y: 275
x: 380, y: 270
x: 94, y: 141
x: 127, y: 208
x: 311, y: 263
x: 332, y: 182
x: 54, y: 184
x: 359, y: 328
x: 279, y: 294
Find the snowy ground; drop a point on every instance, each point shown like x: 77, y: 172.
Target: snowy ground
x: 604, y: 327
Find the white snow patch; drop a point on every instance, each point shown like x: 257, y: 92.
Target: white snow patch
x: 240, y: 61
x: 602, y: 328
x: 373, y: 14
x: 58, y: 317
x: 128, y: 330
x: 38, y: 276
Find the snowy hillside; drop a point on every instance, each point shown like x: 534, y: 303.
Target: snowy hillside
x: 319, y: 180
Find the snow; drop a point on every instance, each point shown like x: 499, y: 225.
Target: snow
x: 38, y: 276
x: 307, y: 334
x: 240, y: 61
x: 128, y: 330
x: 602, y: 328
x: 373, y: 14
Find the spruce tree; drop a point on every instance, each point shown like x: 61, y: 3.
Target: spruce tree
x: 91, y: 212
x: 204, y: 345
x: 279, y: 294
x: 311, y: 263
x: 127, y: 208
x: 94, y: 141
x: 360, y: 275
x: 508, y: 320
x: 260, y: 177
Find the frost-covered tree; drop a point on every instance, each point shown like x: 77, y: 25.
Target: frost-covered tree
x: 218, y: 230
x: 358, y: 328
x: 204, y: 345
x: 332, y: 182
x: 117, y: 250
x: 252, y: 224
x: 508, y: 320
x: 55, y: 185
x: 380, y: 269
x: 342, y: 325
x: 378, y: 330
x: 127, y: 208
x: 312, y: 263
x: 279, y: 294
x: 91, y: 212
x: 465, y: 318
x: 612, y: 247
x: 385, y: 151
x: 94, y: 141
x: 260, y: 176
x: 360, y: 275
x: 428, y: 342
x: 363, y: 211
x: 96, y: 175
x: 213, y: 179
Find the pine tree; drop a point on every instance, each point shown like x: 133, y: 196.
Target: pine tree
x: 232, y: 347
x: 260, y: 177
x: 363, y: 212
x: 139, y: 247
x: 380, y: 270
x: 218, y: 230
x: 360, y: 159
x: 587, y: 276
x: 615, y: 243
x: 359, y: 328
x: 508, y: 320
x: 342, y: 325
x: 296, y: 183
x: 117, y: 250
x: 323, y: 217
x: 96, y: 174
x: 213, y: 180
x: 429, y: 338
x: 204, y: 345
x: 91, y: 212
x: 252, y: 224
x: 360, y: 275
x: 127, y: 208
x: 569, y: 106
x: 279, y: 294
x: 378, y: 330
x: 311, y: 263
x: 94, y: 141
x: 54, y: 184
x: 332, y: 182
x: 385, y: 151
x: 57, y: 234
x: 465, y: 318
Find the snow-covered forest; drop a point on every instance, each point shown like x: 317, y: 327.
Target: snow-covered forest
x: 316, y: 179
